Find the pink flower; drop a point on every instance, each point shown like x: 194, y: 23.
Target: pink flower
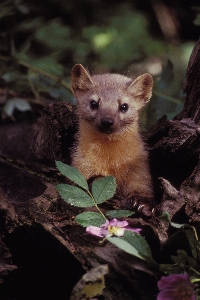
x: 176, y: 287
x: 113, y: 227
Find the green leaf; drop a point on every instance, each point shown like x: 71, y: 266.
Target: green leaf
x: 125, y: 246
x: 194, y: 244
x: 176, y: 225
x: 170, y: 268
x: 73, y: 174
x: 140, y: 244
x: 133, y: 244
x: 74, y: 195
x: 119, y: 213
x: 53, y: 33
x: 90, y: 218
x: 181, y: 258
x: 103, y: 188
x: 165, y: 217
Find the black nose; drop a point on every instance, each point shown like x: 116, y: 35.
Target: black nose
x: 107, y: 123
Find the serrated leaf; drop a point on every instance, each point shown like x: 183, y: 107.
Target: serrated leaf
x: 133, y: 244
x: 73, y: 174
x: 90, y: 218
x: 103, y: 189
x: 125, y: 246
x: 74, y: 195
x: 119, y: 213
x: 139, y: 242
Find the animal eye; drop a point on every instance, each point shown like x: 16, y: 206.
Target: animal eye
x: 124, y: 107
x: 94, y: 104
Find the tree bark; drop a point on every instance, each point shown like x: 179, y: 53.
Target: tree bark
x: 175, y: 147
x: 191, y: 87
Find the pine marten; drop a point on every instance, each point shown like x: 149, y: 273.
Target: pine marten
x: 108, y: 139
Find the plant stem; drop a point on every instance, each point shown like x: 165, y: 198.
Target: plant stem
x: 96, y: 204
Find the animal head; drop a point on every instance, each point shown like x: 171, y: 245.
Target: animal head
x: 111, y: 102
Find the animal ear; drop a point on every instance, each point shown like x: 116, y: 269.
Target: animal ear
x: 141, y: 89
x: 80, y: 79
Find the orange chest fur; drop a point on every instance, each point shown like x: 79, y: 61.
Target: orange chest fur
x: 107, y: 156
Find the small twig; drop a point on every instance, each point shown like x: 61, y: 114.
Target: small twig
x: 96, y: 204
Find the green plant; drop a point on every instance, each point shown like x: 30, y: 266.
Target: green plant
x: 80, y: 195
x: 184, y: 256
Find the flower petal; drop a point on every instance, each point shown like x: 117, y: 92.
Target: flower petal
x: 167, y: 294
x: 104, y: 232
x: 105, y: 225
x: 118, y: 231
x: 117, y: 223
x: 173, y: 280
x: 176, y: 287
x: 193, y: 296
x: 94, y: 230
x: 113, y: 227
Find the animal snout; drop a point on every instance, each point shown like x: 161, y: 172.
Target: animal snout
x: 107, y: 123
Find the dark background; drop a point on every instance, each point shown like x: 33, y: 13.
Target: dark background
x: 130, y: 37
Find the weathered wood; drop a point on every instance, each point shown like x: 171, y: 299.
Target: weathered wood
x: 37, y: 146
x: 175, y: 155
x: 175, y: 148
x: 43, y: 206
x: 192, y: 86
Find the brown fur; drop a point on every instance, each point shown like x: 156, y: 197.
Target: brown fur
x: 115, y: 150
